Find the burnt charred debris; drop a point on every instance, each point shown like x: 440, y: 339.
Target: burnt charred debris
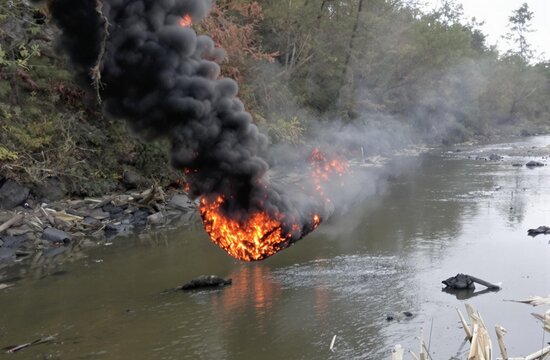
x: 541, y: 230
x: 206, y: 282
x: 467, y: 282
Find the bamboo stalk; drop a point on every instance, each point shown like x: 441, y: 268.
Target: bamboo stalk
x: 500, y: 337
x: 539, y: 354
x: 465, y: 325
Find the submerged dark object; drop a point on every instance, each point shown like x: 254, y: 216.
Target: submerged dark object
x: 541, y: 230
x: 206, y: 282
x: 532, y: 164
x: 403, y: 315
x: 459, y: 282
x: 467, y: 282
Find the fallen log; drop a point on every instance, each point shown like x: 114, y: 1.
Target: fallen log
x: 14, y: 220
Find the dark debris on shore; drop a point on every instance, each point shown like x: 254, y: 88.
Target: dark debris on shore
x: 45, y: 230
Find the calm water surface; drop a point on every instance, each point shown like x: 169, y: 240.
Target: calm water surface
x: 445, y: 214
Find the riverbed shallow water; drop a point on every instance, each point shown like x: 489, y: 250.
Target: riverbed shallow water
x: 447, y: 213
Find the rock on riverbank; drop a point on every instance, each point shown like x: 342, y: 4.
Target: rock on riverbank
x: 35, y: 230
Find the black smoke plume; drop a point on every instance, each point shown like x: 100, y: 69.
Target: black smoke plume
x: 163, y: 79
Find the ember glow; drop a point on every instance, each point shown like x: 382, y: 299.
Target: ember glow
x: 325, y: 170
x: 324, y: 167
x: 186, y: 21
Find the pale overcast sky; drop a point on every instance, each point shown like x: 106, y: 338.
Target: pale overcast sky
x: 495, y: 14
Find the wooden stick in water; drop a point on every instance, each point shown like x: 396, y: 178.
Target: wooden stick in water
x: 500, y: 337
x: 332, y: 343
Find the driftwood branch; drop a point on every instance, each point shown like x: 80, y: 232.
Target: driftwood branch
x: 14, y: 220
x: 500, y: 337
x: 484, y: 283
x: 13, y: 349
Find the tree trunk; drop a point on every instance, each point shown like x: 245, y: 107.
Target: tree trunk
x: 347, y: 87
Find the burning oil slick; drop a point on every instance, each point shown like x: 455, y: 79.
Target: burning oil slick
x: 149, y: 67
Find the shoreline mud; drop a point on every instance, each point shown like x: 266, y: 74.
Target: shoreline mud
x: 34, y: 232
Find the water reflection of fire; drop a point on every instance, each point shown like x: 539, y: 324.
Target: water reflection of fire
x: 252, y: 288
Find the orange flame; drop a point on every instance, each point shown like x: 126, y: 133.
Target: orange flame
x: 259, y: 234
x: 256, y: 238
x: 186, y: 21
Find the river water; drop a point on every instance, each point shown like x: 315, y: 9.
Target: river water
x: 447, y: 213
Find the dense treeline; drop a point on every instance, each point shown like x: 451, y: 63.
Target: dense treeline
x: 299, y: 62
x: 357, y: 59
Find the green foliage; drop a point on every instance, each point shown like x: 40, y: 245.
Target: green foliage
x: 520, y: 26
x: 21, y: 56
x: 427, y: 72
x: 432, y: 70
x: 47, y: 125
x: 7, y: 155
x: 17, y: 52
x: 286, y: 130
x: 152, y: 159
x: 32, y: 133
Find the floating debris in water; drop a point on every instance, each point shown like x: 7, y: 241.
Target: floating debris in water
x: 534, y: 301
x: 206, y: 282
x: 541, y: 230
x: 481, y: 347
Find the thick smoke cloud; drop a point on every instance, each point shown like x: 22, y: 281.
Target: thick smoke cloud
x: 163, y: 79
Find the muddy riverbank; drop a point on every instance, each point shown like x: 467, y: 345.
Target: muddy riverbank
x: 34, y: 232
